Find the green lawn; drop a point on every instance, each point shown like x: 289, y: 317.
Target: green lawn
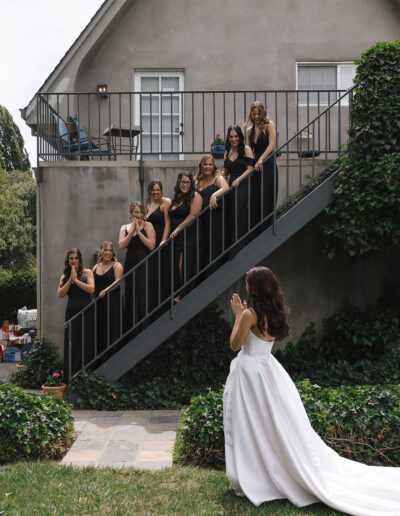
x: 28, y: 488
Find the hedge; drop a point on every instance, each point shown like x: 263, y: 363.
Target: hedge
x: 32, y: 426
x: 361, y: 423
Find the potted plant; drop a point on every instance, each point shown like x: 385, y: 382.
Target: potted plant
x: 218, y: 147
x: 21, y: 364
x: 55, y: 386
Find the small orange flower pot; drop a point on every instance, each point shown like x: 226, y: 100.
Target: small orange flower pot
x: 55, y: 392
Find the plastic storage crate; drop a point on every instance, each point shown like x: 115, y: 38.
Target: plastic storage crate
x: 12, y: 355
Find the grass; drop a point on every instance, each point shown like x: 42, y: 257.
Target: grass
x: 28, y: 488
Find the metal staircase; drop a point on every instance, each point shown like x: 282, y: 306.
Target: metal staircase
x: 302, y: 195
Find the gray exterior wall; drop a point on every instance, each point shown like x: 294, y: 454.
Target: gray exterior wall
x: 314, y: 286
x: 80, y: 206
x: 234, y: 44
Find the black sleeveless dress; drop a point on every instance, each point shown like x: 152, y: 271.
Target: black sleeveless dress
x: 238, y: 200
x: 185, y: 247
x: 107, y: 333
x: 267, y: 186
x: 160, y: 262
x: 77, y: 300
x: 212, y: 225
x: 135, y: 284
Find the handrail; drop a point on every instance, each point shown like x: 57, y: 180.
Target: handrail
x: 227, y: 247
x: 155, y: 124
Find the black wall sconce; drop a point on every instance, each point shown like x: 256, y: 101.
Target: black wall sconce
x: 102, y: 90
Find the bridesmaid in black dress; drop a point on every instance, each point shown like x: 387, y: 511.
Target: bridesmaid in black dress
x: 78, y: 284
x: 211, y: 185
x: 158, y: 216
x: 139, y: 239
x: 261, y: 137
x: 238, y: 164
x: 186, y: 205
x: 106, y: 273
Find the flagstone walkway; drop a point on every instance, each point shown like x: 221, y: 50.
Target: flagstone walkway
x: 132, y: 438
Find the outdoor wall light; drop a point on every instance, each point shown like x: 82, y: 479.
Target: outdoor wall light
x: 102, y: 89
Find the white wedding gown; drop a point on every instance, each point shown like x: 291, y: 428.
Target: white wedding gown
x: 272, y: 451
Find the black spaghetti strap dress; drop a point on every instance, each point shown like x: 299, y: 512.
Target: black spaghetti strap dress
x: 135, y: 284
x: 185, y: 246
x: 107, y: 333
x: 77, y: 300
x: 267, y: 186
x: 160, y: 263
x: 212, y: 221
x: 238, y: 201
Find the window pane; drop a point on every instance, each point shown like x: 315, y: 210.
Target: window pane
x: 168, y: 145
x: 169, y: 101
x: 169, y: 83
x: 149, y: 84
x: 146, y: 143
x: 166, y: 124
x: 146, y: 104
x: 304, y: 78
x: 155, y: 124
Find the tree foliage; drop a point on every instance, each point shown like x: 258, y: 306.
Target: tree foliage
x: 365, y: 216
x: 13, y: 155
x: 17, y: 219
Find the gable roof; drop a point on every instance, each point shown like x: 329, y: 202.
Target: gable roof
x: 86, y: 40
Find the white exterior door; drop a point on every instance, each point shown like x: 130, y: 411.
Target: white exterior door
x: 159, y: 113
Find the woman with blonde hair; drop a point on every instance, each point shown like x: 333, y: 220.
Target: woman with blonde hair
x: 211, y: 185
x: 261, y: 137
x: 107, y: 272
x: 139, y: 239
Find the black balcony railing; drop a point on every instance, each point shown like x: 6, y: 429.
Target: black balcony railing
x: 174, y: 125
x: 155, y: 277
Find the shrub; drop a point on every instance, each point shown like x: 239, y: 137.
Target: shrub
x: 32, y: 426
x: 40, y: 362
x: 17, y: 289
x: 354, y: 347
x: 195, y: 358
x: 365, y: 216
x: 361, y: 423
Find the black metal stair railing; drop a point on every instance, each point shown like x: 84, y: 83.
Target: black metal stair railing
x: 156, y: 272
x: 165, y: 125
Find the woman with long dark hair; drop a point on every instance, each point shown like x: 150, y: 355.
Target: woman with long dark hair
x: 186, y: 205
x: 261, y: 137
x: 78, y: 284
x: 160, y: 269
x: 271, y: 450
x: 107, y: 272
x: 238, y: 164
x: 139, y: 239
x: 211, y: 185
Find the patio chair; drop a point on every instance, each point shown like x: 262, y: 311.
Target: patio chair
x: 80, y: 146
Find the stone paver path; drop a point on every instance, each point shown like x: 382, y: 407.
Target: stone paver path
x: 132, y: 438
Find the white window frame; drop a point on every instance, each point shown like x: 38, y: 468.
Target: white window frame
x: 339, y: 69
x: 137, y: 75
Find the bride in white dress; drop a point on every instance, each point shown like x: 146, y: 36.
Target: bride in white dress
x: 271, y: 449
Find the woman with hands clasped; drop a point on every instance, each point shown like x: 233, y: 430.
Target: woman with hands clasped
x: 107, y: 272
x: 78, y: 284
x: 238, y: 164
x: 139, y: 239
x: 271, y: 449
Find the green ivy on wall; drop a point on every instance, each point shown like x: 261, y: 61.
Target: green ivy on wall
x: 365, y: 216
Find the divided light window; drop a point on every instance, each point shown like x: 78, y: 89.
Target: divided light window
x: 323, y: 76
x: 159, y: 112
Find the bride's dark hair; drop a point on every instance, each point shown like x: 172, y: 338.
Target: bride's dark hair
x: 267, y: 300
